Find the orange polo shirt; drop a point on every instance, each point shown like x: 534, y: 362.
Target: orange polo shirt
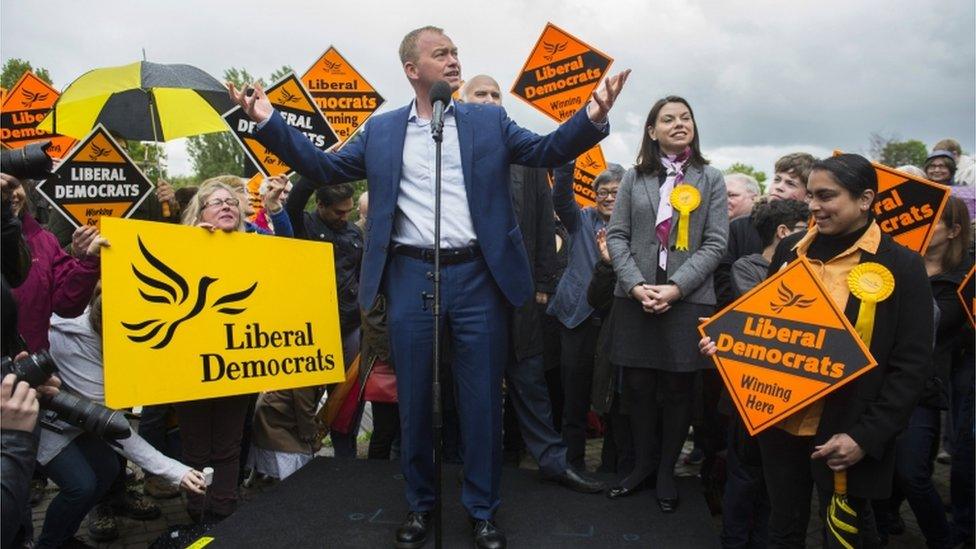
x: 833, y: 274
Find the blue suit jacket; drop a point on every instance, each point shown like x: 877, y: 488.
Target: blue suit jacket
x: 489, y: 143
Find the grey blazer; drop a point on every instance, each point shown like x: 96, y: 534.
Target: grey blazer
x: 633, y: 243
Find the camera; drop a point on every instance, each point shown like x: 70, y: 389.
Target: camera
x: 94, y: 418
x: 28, y: 162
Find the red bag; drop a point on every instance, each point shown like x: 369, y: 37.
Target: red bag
x: 347, y: 412
x: 381, y: 383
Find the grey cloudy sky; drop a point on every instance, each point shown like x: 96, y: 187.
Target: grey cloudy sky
x: 764, y: 77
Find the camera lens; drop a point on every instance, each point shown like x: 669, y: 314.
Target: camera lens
x: 28, y: 162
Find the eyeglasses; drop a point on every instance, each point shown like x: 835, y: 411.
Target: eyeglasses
x: 603, y: 193
x: 218, y: 202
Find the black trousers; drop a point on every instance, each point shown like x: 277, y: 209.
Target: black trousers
x: 789, y: 482
x: 386, y: 427
x: 578, y: 346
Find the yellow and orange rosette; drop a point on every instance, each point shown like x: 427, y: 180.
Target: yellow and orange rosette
x: 871, y: 283
x: 684, y: 199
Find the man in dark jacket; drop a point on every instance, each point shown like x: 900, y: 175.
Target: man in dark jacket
x: 330, y: 223
x: 525, y: 374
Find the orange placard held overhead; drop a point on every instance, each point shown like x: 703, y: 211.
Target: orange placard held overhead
x: 560, y: 74
x: 253, y: 186
x: 23, y: 108
x: 588, y: 166
x: 967, y: 294
x: 344, y: 96
x: 98, y: 179
x: 783, y: 346
x: 907, y: 207
x: 295, y: 105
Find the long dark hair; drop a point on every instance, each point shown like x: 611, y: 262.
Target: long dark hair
x: 956, y: 213
x: 649, y: 155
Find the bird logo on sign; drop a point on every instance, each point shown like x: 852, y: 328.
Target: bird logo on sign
x: 288, y: 97
x: 789, y: 299
x: 32, y: 97
x: 171, y: 289
x: 588, y: 162
x: 98, y: 152
x: 553, y: 49
x: 333, y: 67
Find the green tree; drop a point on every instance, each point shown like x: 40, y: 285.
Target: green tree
x: 219, y: 153
x: 899, y: 153
x: 740, y: 167
x: 14, y: 68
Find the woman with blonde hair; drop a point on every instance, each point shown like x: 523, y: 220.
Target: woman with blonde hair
x: 211, y: 429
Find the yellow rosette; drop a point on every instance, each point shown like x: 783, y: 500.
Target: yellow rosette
x: 870, y: 282
x: 684, y: 199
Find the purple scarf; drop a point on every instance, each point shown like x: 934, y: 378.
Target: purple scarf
x: 675, y: 166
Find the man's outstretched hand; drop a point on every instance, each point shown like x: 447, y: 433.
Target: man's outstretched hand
x: 256, y: 106
x: 605, y: 95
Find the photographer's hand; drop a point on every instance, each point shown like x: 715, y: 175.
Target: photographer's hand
x: 18, y: 405
x: 51, y: 387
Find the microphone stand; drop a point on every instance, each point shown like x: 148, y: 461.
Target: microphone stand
x: 437, y: 133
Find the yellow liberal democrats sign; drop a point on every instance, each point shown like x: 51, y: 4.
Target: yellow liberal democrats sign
x: 190, y: 314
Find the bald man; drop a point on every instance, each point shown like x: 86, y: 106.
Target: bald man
x: 525, y: 370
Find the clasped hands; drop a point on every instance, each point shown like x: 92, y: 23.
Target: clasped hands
x: 655, y: 298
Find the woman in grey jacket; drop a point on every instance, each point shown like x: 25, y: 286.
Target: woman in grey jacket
x: 670, y: 196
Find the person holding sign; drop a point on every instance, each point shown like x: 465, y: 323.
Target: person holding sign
x: 485, y: 269
x: 211, y: 429
x: 882, y: 288
x: 672, y: 197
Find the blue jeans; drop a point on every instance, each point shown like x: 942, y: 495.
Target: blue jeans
x: 530, y: 398
x: 83, y: 471
x: 154, y: 429
x: 915, y: 450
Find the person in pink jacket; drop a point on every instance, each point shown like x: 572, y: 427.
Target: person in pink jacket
x: 57, y: 282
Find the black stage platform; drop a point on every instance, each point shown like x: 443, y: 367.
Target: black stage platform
x: 356, y: 503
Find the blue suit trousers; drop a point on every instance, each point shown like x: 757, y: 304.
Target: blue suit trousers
x: 478, y: 316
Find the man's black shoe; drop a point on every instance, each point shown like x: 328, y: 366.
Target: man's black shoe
x: 487, y: 535
x: 413, y: 532
x: 577, y: 482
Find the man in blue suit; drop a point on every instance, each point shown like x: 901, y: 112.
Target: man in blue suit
x: 484, y: 266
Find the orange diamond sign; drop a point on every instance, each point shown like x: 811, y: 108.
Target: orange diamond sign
x: 560, y: 74
x: 588, y: 166
x: 294, y: 104
x: 783, y: 346
x: 23, y: 108
x: 344, y: 96
x: 98, y: 179
x: 907, y: 207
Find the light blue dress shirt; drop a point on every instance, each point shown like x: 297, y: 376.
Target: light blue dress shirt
x: 414, y: 222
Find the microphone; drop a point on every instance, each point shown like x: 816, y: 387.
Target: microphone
x: 440, y: 97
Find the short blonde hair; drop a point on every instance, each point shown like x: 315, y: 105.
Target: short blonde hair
x: 408, y: 46
x: 231, y: 184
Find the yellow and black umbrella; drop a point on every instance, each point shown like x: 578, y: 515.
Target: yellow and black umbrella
x: 142, y: 101
x: 841, y: 518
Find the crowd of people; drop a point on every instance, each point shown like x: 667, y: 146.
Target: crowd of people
x: 562, y: 322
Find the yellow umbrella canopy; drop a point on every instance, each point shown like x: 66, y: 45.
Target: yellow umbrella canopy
x: 142, y: 101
